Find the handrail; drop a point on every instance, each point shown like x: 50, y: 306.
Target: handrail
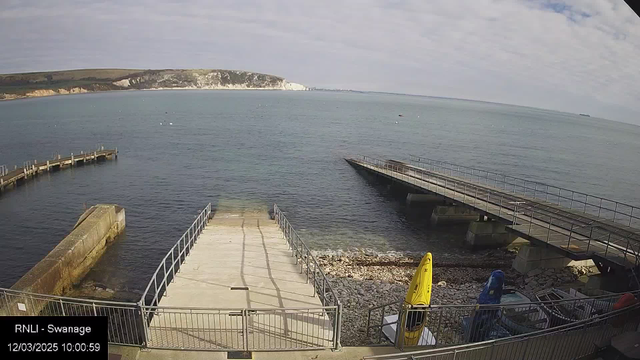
x: 301, y: 252
x: 500, y: 201
x: 511, y: 304
x: 187, y: 241
x: 126, y: 325
x: 542, y: 190
x: 586, y: 306
x: 237, y: 309
x: 521, y: 337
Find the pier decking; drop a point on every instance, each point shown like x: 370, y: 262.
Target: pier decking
x: 578, y: 234
x: 10, y: 178
x: 241, y: 288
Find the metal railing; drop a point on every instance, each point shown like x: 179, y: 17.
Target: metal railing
x: 603, y: 208
x: 171, y: 263
x: 247, y: 329
x: 251, y: 329
x: 566, y: 342
x: 530, y: 218
x: 147, y: 324
x: 126, y: 325
x: 314, y: 274
x: 449, y: 325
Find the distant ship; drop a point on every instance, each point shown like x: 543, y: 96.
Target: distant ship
x: 587, y: 115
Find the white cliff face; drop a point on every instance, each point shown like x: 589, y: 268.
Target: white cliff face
x: 175, y: 79
x: 124, y: 83
x: 293, y: 86
x: 213, y: 80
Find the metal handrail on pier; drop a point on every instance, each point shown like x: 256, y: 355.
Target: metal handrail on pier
x: 616, y: 211
x: 530, y: 218
x: 165, y: 274
x: 309, y: 264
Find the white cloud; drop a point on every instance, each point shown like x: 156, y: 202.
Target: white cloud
x: 572, y: 55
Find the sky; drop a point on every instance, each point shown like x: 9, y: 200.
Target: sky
x: 579, y: 56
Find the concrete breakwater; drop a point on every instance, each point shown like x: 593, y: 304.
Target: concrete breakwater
x: 74, y: 256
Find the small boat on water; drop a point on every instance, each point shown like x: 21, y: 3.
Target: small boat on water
x: 523, y: 317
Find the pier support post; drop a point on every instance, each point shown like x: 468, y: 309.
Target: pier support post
x: 533, y: 257
x: 424, y: 199
x: 453, y: 215
x: 487, y: 234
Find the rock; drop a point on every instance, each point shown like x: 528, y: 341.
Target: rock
x: 534, y: 272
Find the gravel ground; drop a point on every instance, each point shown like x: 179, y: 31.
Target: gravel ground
x: 364, y: 279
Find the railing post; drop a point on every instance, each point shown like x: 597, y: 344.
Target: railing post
x: 530, y: 222
x: 400, y: 326
x: 615, y: 211
x: 173, y: 266
x: 600, y: 207
x: 245, y: 330
x: 155, y: 285
x: 570, y: 233
x: 586, y: 200
x: 338, y: 327
x: 487, y: 207
x: 324, y: 294
x: 631, y: 216
x: 145, y: 325
x: 307, y: 267
x: 572, y: 195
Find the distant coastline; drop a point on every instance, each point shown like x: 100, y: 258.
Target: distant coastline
x: 38, y: 84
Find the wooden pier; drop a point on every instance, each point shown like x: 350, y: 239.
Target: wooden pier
x: 575, y: 233
x: 30, y: 169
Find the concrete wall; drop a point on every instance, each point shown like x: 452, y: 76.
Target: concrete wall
x: 533, y: 257
x: 487, y: 234
x: 418, y: 199
x: 74, y: 256
x: 453, y: 215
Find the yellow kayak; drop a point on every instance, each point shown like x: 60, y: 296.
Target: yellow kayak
x: 419, y: 294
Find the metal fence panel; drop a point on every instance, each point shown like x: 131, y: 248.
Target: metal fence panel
x: 125, y: 319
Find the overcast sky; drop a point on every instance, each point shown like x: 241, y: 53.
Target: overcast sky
x: 574, y: 55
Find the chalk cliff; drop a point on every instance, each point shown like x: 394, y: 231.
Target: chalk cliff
x: 15, y: 86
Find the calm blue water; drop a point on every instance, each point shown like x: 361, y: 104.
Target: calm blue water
x: 244, y: 149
